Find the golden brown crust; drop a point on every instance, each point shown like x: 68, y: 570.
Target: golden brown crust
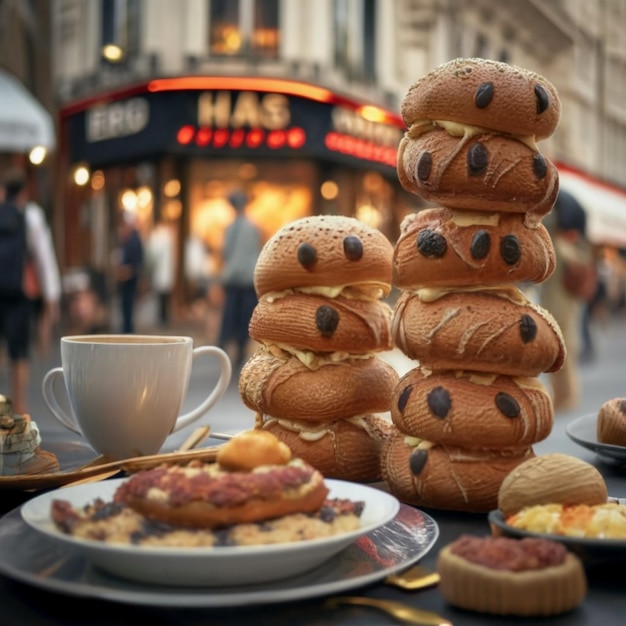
x: 551, y: 479
x: 286, y: 388
x: 250, y: 449
x: 484, y: 331
x: 485, y: 93
x: 538, y: 592
x: 482, y: 173
x: 346, y: 449
x: 446, y: 477
x: 470, y: 248
x: 611, y: 423
x: 321, y: 324
x: 324, y: 250
x: 476, y: 412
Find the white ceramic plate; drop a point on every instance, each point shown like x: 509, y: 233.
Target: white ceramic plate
x: 36, y: 559
x: 216, y: 566
x: 583, y: 432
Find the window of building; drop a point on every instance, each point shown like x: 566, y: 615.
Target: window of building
x: 120, y: 29
x: 354, y: 38
x: 244, y: 28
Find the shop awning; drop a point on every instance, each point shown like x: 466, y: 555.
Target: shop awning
x: 24, y: 122
x: 605, y: 206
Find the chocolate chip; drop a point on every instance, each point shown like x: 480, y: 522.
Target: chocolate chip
x: 417, y: 461
x: 424, y: 166
x: 510, y: 250
x: 326, y: 320
x: 404, y: 397
x: 352, y: 248
x: 439, y: 402
x: 542, y: 98
x: 431, y: 243
x: 481, y: 244
x: 477, y: 159
x: 527, y: 328
x: 507, y: 405
x: 484, y: 95
x: 307, y: 255
x: 540, y: 168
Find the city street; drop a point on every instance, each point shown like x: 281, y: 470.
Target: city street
x: 601, y: 380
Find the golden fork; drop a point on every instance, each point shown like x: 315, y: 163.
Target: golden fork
x: 414, y: 578
x: 401, y: 612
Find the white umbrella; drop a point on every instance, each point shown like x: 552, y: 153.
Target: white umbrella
x: 24, y: 123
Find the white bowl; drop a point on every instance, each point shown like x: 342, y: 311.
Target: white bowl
x: 214, y: 566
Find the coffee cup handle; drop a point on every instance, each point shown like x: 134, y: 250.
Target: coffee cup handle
x: 218, y: 391
x: 49, y: 396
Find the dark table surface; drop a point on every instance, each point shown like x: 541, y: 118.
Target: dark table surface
x: 29, y: 604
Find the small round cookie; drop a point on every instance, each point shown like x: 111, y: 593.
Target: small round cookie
x: 486, y: 172
x: 611, y: 423
x: 553, y: 478
x: 328, y: 253
x: 320, y: 324
x: 499, y: 331
x: 505, y: 576
x: 440, y: 247
x: 472, y: 411
x: 425, y: 474
x: 347, y: 449
x: 285, y: 387
x: 485, y: 93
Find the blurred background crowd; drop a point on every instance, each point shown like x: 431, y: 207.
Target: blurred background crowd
x: 137, y: 122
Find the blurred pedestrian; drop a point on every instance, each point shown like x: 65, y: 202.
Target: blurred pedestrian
x: 29, y: 280
x: 129, y: 264
x: 161, y: 260
x: 242, y: 245
x: 565, y: 293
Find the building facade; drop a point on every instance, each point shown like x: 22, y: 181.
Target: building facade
x: 166, y: 106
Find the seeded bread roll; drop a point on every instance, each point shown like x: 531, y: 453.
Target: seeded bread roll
x: 445, y: 477
x: 498, y: 330
x: 484, y: 93
x: 327, y: 253
x: 444, y: 248
x: 320, y: 324
x: 473, y: 411
x: 347, y: 449
x: 486, y: 172
x: 282, y: 386
x: 505, y: 576
x: 611, y: 424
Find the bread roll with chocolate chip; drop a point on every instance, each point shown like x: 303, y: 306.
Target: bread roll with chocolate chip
x: 485, y: 173
x: 445, y: 477
x: 496, y: 330
x: 284, y: 387
x: 611, y: 424
x: 440, y: 247
x: 347, y: 449
x: 487, y: 94
x: 326, y: 253
x: 472, y: 411
x: 319, y: 324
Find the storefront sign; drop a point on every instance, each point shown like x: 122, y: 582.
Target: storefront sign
x: 118, y: 119
x: 223, y: 109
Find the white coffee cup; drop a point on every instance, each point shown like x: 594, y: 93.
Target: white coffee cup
x: 126, y: 391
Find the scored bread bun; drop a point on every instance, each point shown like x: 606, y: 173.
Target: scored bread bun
x: 487, y: 94
x: 611, y: 423
x: 472, y: 411
x: 499, y: 331
x: 327, y: 252
x: 445, y: 477
x: 506, y: 576
x: 347, y: 449
x: 486, y: 172
x: 321, y: 324
x: 286, y: 388
x: 440, y: 247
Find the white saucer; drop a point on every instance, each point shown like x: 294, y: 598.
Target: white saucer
x: 583, y: 432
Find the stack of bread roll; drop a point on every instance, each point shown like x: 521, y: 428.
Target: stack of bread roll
x: 317, y: 380
x: 472, y: 408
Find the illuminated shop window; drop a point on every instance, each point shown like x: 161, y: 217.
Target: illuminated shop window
x: 244, y: 28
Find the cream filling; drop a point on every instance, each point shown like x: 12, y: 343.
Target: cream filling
x: 508, y: 292
x: 314, y: 360
x: 474, y: 218
x: 364, y: 291
x: 314, y: 431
